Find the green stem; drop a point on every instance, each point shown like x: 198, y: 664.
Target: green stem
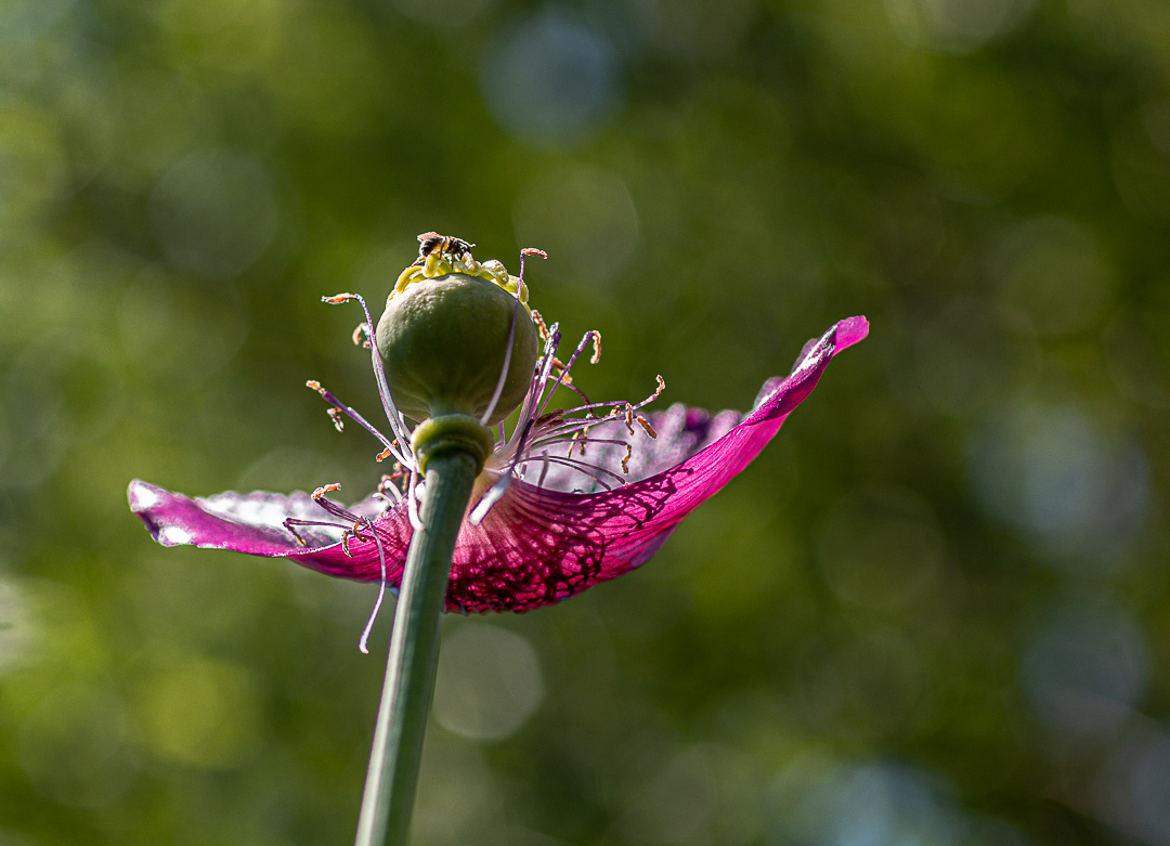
x: 414, y: 652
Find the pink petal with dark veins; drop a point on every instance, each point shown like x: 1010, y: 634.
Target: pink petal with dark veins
x: 538, y: 545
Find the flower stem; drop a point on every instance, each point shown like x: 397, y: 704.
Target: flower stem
x: 414, y: 651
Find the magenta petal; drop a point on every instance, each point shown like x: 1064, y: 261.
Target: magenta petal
x: 253, y: 523
x: 538, y: 545
x: 175, y: 520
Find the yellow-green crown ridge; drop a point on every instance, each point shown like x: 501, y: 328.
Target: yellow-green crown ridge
x: 437, y: 262
x: 444, y: 335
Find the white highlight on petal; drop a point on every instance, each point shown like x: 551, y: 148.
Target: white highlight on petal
x: 143, y: 498
x: 817, y: 353
x: 260, y: 513
x: 174, y: 536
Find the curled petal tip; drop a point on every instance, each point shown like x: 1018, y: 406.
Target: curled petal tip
x: 851, y: 330
x: 142, y: 496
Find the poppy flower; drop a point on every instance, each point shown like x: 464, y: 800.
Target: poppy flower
x: 570, y: 498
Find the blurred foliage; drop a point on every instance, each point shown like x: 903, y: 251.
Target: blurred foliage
x: 935, y: 611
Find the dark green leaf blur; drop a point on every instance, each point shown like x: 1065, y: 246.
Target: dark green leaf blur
x: 936, y: 610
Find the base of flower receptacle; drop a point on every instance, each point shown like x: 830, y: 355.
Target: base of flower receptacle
x: 451, y: 432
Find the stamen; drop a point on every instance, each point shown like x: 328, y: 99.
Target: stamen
x: 564, y: 379
x: 515, y: 444
x: 520, y: 296
x: 355, y: 531
x: 645, y: 424
x: 553, y: 427
x: 363, y: 641
x: 335, y: 416
x: 345, y: 543
x: 412, y: 501
x: 579, y: 440
x: 361, y: 336
x: 503, y: 378
x: 548, y: 442
x: 291, y: 522
x: 383, y: 455
x: 356, y: 522
x: 300, y: 540
x: 573, y: 387
x: 541, y: 328
x: 319, y: 496
x: 544, y: 367
x: 288, y: 524
x: 389, y: 485
x: 621, y: 408
x: 525, y: 253
x: 580, y: 467
x: 623, y: 412
x: 626, y: 459
x: 340, y: 407
x: 490, y: 497
x: 393, y: 415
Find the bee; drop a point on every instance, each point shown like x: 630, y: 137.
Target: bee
x: 448, y: 247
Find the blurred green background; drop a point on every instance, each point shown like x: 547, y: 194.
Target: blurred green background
x: 935, y: 611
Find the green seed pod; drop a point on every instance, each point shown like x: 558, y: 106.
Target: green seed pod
x: 444, y: 334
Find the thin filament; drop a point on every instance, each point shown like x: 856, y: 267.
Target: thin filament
x: 363, y: 641
x: 487, y: 415
x: 592, y: 334
x: 412, y: 501
x: 353, y: 414
x: 393, y: 415
x: 580, y: 467
x: 536, y: 389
